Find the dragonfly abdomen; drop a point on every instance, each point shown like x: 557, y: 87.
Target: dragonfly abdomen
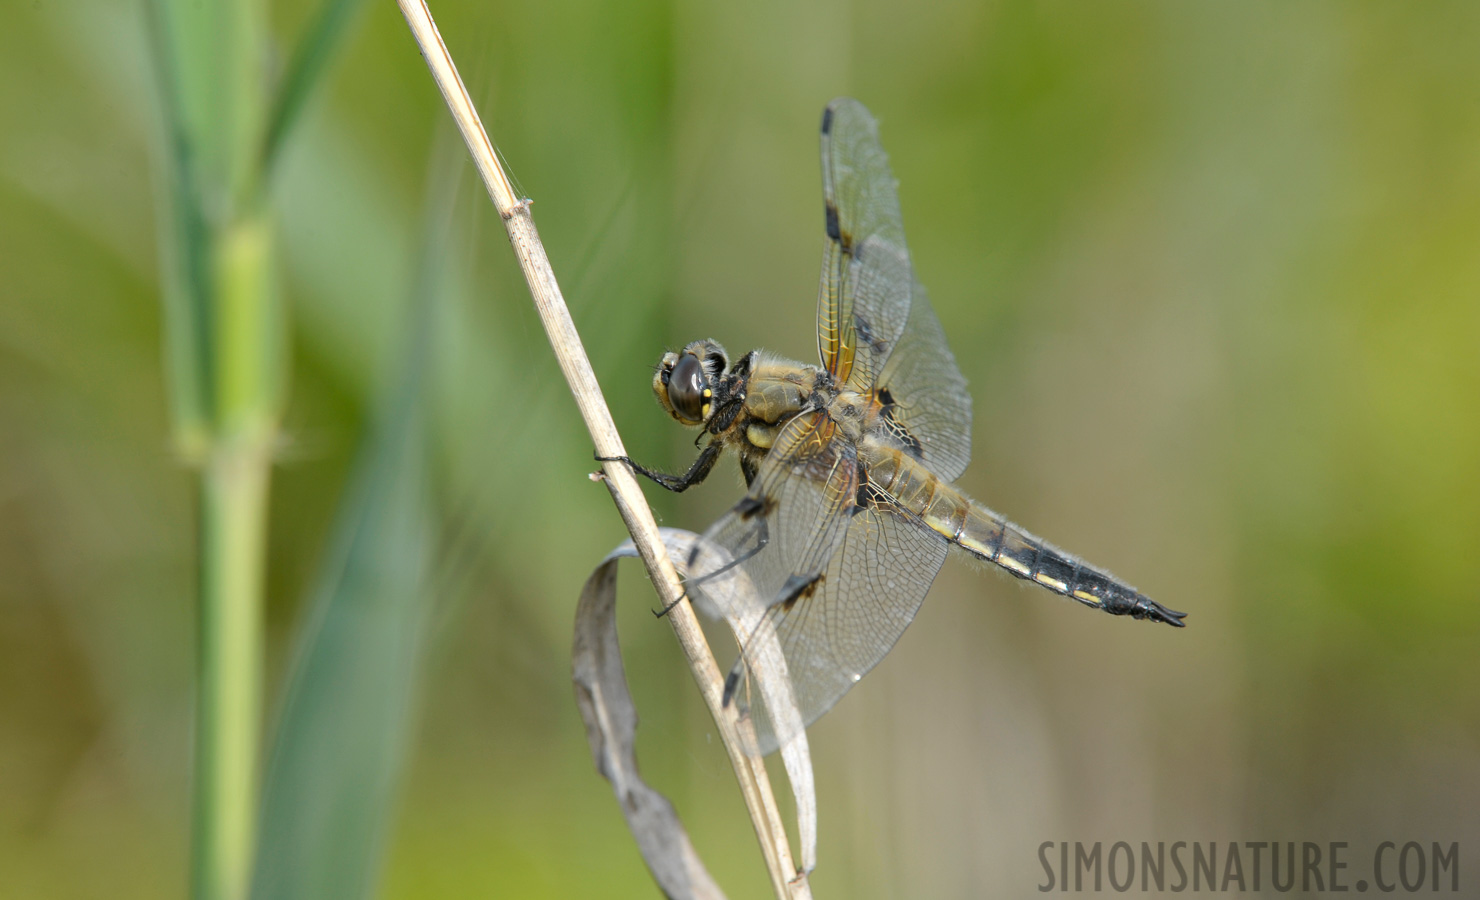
x: 991, y: 538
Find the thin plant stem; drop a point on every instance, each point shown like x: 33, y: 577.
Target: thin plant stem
x: 750, y: 770
x: 233, y: 508
x: 226, y: 354
x: 235, y: 480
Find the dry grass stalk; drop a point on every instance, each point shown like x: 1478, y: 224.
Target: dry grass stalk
x: 749, y: 770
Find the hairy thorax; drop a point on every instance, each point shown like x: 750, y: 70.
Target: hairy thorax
x: 779, y: 389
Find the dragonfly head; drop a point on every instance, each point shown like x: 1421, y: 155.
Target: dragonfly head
x: 686, y: 381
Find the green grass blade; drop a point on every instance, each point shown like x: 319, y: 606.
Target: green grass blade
x: 344, y: 725
x: 186, y: 262
x: 343, y: 728
x: 225, y: 351
x: 310, y: 57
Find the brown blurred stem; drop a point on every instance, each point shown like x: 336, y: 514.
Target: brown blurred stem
x: 749, y: 770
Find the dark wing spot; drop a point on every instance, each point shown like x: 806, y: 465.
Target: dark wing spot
x: 827, y: 120
x: 798, y: 587
x: 752, y: 507
x: 866, y: 334
x: 892, y: 424
x: 835, y: 230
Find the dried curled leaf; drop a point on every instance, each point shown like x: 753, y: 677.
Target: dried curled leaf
x: 611, y: 724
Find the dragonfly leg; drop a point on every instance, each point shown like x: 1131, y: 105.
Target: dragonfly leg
x: 676, y: 483
x: 660, y: 613
x: 761, y: 535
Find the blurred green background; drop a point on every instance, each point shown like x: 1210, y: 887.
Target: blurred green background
x: 1211, y: 271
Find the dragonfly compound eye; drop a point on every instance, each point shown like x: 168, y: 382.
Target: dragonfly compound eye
x: 688, y: 388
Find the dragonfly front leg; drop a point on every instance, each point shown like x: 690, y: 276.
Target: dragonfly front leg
x: 676, y: 483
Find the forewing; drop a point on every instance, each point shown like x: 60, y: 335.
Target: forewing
x: 876, y: 330
x: 864, y: 298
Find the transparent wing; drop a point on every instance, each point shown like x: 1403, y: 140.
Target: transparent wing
x: 864, y: 299
x: 922, y: 395
x: 876, y: 331
x: 832, y: 575
x: 787, y: 527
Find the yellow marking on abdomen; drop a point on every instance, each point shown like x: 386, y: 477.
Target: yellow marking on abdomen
x: 975, y: 546
x: 1008, y: 562
x: 980, y: 530
x: 1051, y: 583
x: 940, y: 526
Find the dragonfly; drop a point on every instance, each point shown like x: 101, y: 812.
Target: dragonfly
x: 850, y: 510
